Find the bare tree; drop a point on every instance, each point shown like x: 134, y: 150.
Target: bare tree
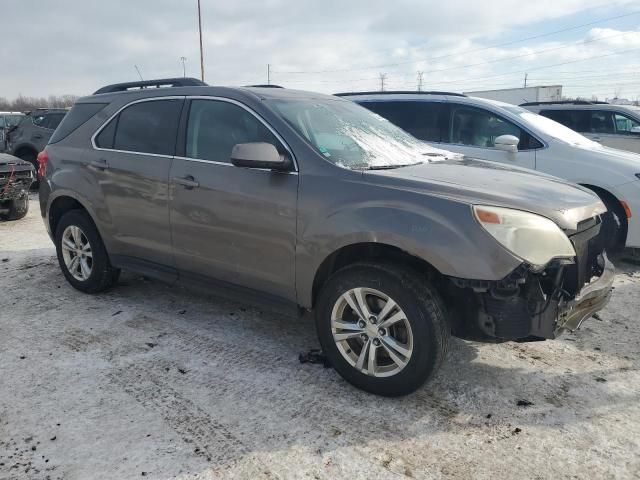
x: 23, y: 104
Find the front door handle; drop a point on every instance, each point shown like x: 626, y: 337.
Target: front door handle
x: 187, y: 182
x: 99, y: 164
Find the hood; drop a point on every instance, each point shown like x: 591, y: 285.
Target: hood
x: 478, y: 182
x: 9, y: 163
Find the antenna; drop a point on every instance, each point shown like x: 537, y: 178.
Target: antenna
x: 201, y: 53
x: 138, y: 70
x: 268, y: 74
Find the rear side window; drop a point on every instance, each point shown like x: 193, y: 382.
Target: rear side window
x: 145, y: 127
x: 578, y: 120
x: 77, y: 116
x: 214, y: 128
x: 602, y: 122
x: 420, y: 119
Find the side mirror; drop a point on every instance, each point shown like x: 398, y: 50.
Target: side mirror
x: 508, y: 143
x: 259, y: 155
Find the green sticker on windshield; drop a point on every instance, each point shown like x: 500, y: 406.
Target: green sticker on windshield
x: 324, y: 151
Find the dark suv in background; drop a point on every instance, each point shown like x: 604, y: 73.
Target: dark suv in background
x: 300, y: 200
x: 33, y: 132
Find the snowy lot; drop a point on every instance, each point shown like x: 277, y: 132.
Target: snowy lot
x: 157, y: 382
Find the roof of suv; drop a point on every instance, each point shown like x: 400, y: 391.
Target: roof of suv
x: 192, y: 86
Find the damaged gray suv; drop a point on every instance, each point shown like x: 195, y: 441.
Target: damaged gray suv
x: 304, y: 201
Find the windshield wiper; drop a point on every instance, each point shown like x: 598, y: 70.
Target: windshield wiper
x: 390, y: 167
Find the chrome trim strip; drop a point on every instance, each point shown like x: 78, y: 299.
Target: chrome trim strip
x: 226, y: 164
x: 192, y: 97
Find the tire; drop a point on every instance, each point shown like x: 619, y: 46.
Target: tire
x: 423, y: 330
x: 614, y: 224
x: 100, y: 274
x: 18, y: 208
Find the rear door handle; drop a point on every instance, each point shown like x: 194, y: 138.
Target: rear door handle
x: 99, y: 164
x: 187, y: 182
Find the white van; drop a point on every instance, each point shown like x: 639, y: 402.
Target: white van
x: 500, y: 132
x: 615, y: 126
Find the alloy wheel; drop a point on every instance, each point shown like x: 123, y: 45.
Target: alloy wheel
x: 76, y: 252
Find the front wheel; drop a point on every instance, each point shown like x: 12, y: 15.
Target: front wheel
x: 383, y: 328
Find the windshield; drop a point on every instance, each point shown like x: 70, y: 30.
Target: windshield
x: 552, y: 128
x: 351, y: 136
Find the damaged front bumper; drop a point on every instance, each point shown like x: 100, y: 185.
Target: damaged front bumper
x: 592, y: 298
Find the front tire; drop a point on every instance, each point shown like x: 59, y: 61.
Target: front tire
x: 382, y: 327
x: 82, y: 255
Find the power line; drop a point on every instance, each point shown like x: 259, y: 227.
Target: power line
x: 533, y: 37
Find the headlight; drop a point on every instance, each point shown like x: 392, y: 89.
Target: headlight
x: 533, y: 238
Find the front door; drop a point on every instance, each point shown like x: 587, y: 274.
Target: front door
x: 236, y: 225
x: 472, y: 131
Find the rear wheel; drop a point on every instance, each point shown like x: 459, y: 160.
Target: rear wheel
x: 81, y: 253
x: 18, y: 208
x: 383, y: 328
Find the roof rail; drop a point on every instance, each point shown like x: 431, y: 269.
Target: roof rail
x: 270, y: 85
x: 162, y: 82
x: 395, y: 92
x: 565, y: 102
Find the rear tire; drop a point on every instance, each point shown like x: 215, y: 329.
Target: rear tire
x: 82, y: 255
x: 18, y: 208
x: 406, y: 352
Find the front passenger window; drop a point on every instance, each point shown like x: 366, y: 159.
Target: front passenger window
x: 214, y: 128
x: 480, y: 128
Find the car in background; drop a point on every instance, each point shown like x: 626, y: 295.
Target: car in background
x: 7, y: 120
x: 304, y: 201
x: 16, y: 176
x: 615, y: 126
x: 512, y: 135
x: 33, y: 132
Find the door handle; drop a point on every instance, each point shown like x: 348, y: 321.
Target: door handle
x: 187, y: 182
x: 99, y: 164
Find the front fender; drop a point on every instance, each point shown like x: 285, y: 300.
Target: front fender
x: 441, y: 231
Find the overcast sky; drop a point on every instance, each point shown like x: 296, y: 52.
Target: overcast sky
x: 76, y: 46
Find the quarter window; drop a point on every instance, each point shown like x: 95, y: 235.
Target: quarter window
x: 145, y: 127
x: 480, y: 128
x: 215, y: 127
x: 420, y: 119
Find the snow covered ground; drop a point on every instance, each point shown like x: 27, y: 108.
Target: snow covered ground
x: 157, y: 382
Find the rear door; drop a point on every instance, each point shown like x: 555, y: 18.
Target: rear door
x: 472, y: 131
x: 130, y: 165
x: 237, y: 225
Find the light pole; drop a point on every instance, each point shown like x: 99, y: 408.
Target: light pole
x: 184, y: 68
x: 201, y: 54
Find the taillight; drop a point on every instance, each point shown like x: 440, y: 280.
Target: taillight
x: 43, y: 158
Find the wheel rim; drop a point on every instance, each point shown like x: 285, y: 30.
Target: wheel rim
x: 372, y: 332
x: 76, y: 252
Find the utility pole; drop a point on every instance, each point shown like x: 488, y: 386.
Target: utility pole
x: 201, y: 53
x: 184, y: 68
x: 525, y: 79
x: 383, y: 77
x: 139, y: 74
x: 420, y: 78
x: 268, y: 74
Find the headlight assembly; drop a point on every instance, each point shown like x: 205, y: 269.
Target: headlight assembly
x: 533, y: 238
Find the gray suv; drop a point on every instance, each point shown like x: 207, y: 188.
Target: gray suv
x: 33, y: 132
x: 303, y: 201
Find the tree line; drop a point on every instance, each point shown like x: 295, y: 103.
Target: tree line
x: 24, y: 104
